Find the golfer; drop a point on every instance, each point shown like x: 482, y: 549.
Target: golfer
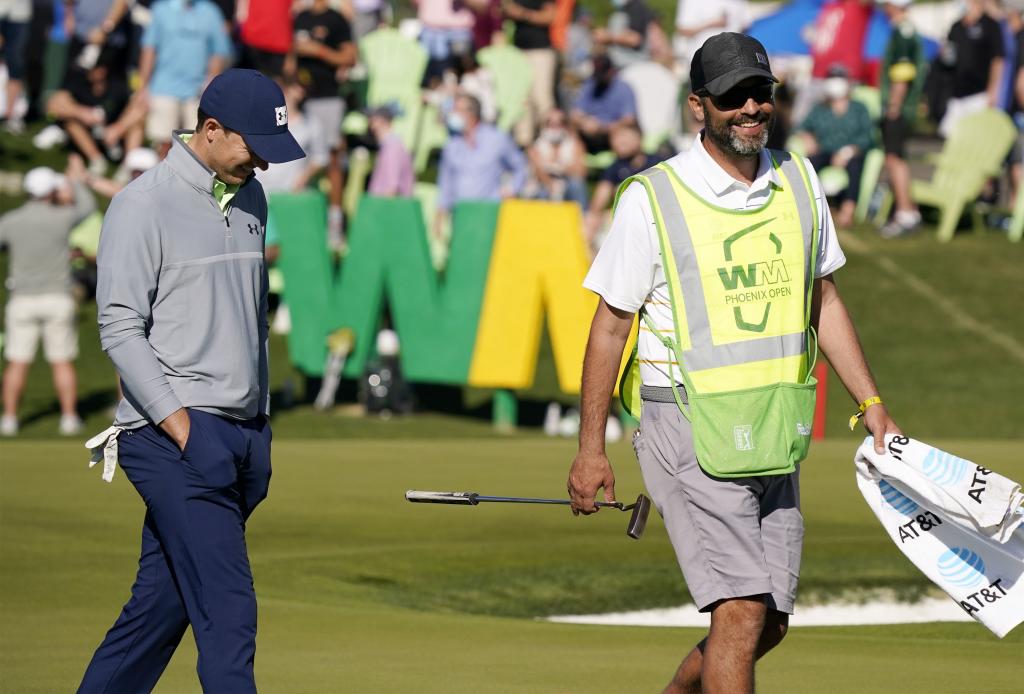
x: 182, y: 300
x: 727, y: 252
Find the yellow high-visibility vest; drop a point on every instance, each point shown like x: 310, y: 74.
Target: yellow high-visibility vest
x: 740, y: 284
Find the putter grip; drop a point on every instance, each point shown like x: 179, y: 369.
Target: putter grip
x: 463, y: 498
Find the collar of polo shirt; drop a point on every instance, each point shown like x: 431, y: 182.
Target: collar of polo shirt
x: 720, y: 182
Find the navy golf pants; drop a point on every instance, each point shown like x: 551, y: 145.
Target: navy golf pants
x: 194, y: 568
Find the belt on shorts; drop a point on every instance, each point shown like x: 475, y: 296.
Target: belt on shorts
x: 662, y: 394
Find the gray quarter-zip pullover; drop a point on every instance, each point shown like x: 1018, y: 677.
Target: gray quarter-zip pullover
x: 182, y: 294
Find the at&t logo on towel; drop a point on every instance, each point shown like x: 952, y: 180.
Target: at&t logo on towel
x: 963, y: 568
x: 911, y: 526
x: 943, y: 468
x: 896, y: 499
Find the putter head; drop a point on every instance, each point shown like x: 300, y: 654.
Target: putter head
x: 638, y: 521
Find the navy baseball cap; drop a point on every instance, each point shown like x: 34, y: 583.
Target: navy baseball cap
x: 252, y: 105
x: 727, y: 59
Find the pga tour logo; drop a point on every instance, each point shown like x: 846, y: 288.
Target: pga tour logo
x: 281, y: 115
x: 743, y: 437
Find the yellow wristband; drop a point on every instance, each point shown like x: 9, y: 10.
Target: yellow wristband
x: 862, y: 409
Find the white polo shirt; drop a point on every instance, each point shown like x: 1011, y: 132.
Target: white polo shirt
x: 627, y: 271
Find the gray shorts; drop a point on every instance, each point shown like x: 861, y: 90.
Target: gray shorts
x: 733, y: 537
x: 328, y: 112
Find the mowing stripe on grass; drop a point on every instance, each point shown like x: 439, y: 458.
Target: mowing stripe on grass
x: 917, y: 285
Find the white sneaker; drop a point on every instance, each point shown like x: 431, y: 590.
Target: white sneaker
x: 50, y: 136
x: 70, y: 424
x: 903, y: 222
x: 8, y: 426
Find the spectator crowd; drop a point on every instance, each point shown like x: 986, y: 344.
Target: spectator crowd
x: 535, y: 99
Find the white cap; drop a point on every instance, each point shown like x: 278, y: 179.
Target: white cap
x: 41, y: 181
x: 141, y: 159
x: 387, y: 343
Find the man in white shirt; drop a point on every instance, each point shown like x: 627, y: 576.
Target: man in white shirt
x: 737, y: 538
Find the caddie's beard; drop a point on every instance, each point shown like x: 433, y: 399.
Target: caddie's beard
x: 728, y: 139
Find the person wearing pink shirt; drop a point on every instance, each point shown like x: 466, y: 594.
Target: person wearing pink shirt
x: 393, y: 171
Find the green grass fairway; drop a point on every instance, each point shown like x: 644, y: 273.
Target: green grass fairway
x: 362, y: 592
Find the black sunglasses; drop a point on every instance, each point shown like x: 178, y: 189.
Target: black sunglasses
x: 737, y: 96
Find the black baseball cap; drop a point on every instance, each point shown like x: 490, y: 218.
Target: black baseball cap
x: 252, y: 105
x: 727, y: 59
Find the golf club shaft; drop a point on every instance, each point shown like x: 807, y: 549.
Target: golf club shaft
x: 559, y: 502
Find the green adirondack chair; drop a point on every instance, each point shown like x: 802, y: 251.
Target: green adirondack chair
x: 432, y: 135
x: 512, y: 79
x: 974, y: 153
x: 359, y: 167
x: 395, y: 68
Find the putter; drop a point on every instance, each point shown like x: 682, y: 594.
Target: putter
x: 641, y: 508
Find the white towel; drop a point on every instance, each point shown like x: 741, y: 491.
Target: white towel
x: 958, y: 522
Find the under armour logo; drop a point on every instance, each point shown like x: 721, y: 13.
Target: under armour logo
x: 254, y: 229
x: 281, y: 114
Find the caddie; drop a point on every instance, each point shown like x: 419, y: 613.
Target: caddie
x: 182, y: 302
x: 727, y: 251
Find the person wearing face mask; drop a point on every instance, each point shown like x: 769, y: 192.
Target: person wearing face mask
x: 839, y: 132
x: 479, y: 162
x: 557, y: 163
x: 182, y: 307
x: 727, y: 252
x: 604, y: 102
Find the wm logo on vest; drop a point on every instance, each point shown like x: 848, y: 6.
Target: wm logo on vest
x: 753, y: 283
x: 771, y: 272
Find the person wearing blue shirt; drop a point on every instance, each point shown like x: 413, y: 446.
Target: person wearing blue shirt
x: 604, y: 102
x: 479, y: 162
x: 184, y: 47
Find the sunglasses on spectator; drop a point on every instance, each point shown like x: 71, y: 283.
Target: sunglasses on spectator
x: 737, y: 96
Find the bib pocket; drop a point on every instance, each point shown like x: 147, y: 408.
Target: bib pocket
x: 756, y: 431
